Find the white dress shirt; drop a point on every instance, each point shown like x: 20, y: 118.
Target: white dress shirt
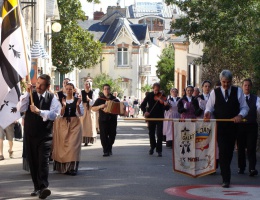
x: 51, y: 114
x: 257, y: 102
x: 174, y: 99
x: 240, y: 96
x: 189, y: 98
x: 81, y: 107
x: 94, y: 98
x: 206, y: 97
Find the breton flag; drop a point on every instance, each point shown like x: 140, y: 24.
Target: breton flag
x: 14, y: 57
x: 14, y: 60
x: 8, y: 110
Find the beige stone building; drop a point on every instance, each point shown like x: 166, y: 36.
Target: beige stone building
x: 134, y: 38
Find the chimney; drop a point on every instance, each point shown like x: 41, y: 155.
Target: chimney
x: 98, y: 15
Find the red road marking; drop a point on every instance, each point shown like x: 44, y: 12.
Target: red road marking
x: 182, y: 191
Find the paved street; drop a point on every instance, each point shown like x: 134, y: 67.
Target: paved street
x: 130, y: 174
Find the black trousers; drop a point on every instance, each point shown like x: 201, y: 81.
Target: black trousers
x: 107, y: 134
x: 38, y: 153
x: 247, y: 141
x: 226, y: 142
x: 156, y: 126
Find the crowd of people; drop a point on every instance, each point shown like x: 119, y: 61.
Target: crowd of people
x: 56, y: 125
x: 225, y: 101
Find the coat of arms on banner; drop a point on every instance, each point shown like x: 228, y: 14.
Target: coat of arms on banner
x: 194, y: 148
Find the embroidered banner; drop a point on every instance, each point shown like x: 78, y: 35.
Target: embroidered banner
x: 194, y: 148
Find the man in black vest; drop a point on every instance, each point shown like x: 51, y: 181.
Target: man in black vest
x: 38, y: 123
x: 156, y: 108
x: 226, y: 102
x: 248, y: 132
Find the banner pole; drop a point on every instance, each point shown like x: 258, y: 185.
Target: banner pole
x: 25, y: 49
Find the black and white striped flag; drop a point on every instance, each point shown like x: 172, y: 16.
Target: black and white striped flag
x: 14, y: 54
x: 14, y: 60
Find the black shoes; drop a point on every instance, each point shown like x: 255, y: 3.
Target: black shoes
x: 110, y: 153
x: 253, y: 172
x: 35, y: 193
x: 225, y: 184
x: 106, y: 154
x: 44, y: 193
x: 169, y: 144
x: 241, y: 171
x: 151, y: 151
x: 72, y: 172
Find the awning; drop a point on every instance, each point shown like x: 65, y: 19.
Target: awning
x: 37, y: 51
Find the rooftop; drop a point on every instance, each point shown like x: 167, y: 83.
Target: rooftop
x: 140, y: 9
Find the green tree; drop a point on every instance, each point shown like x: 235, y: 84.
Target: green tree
x: 102, y: 79
x: 229, y: 29
x: 146, y: 88
x: 73, y: 46
x: 165, y: 69
x: 95, y: 1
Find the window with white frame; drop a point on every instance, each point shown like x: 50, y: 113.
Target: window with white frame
x: 122, y: 57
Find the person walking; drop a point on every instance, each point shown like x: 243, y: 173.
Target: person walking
x: 88, y: 120
x: 107, y: 121
x: 248, y: 132
x: 126, y: 106
x: 171, y: 113
x: 196, y: 92
x: 156, y: 106
x: 130, y: 107
x: 136, y: 107
x: 67, y: 134
x: 38, y: 125
x: 204, y: 97
x: 62, y: 93
x: 7, y: 133
x: 188, y: 105
x: 226, y: 102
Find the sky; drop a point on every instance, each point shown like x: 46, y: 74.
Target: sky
x: 89, y: 7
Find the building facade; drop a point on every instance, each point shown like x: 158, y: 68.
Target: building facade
x: 125, y: 53
x: 133, y: 38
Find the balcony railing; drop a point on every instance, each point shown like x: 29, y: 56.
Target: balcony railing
x: 145, y: 70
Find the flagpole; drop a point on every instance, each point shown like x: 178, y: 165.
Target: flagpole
x: 180, y: 120
x: 25, y: 50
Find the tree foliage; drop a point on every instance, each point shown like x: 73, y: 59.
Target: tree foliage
x: 165, y: 69
x: 230, y: 31
x: 102, y: 79
x: 146, y: 88
x: 95, y: 1
x: 73, y: 46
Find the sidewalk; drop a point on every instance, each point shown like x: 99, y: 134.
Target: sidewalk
x: 17, y: 155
